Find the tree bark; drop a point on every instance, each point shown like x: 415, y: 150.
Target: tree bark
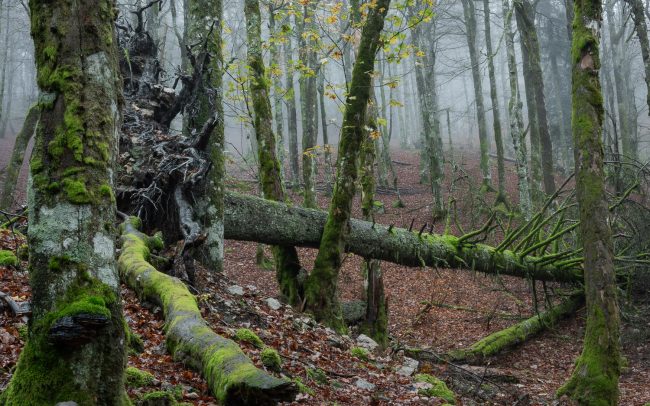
x: 287, y: 264
x: 517, y: 131
x: 470, y: 25
x: 596, y: 373
x: 75, y: 350
x: 250, y: 218
x: 229, y: 373
x: 321, y: 286
x: 204, y: 24
x: 18, y: 155
x: 525, y: 13
x: 292, y: 115
x: 642, y: 32
x: 498, y: 139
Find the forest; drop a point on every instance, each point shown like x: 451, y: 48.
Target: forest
x: 324, y: 202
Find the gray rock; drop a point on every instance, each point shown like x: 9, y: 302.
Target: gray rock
x: 353, y: 312
x: 363, y: 384
x: 273, y: 303
x: 409, y: 367
x: 236, y: 290
x: 68, y: 403
x: 366, y: 342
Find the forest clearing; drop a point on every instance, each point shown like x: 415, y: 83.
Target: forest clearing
x: 322, y: 202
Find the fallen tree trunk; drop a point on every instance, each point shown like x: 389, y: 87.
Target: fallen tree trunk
x: 518, y: 333
x: 249, y: 218
x: 231, y: 376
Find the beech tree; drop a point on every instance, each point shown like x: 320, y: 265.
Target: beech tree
x: 75, y: 350
x: 595, y: 376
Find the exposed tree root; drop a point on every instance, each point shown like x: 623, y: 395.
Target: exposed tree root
x: 250, y: 218
x: 518, y: 333
x: 231, y: 376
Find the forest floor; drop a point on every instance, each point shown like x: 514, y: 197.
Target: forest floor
x: 466, y: 307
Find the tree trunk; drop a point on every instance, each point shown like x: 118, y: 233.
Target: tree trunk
x: 204, y: 24
x: 470, y: 26
x: 292, y: 115
x: 321, y: 287
x: 250, y: 218
x: 525, y: 13
x: 5, y: 63
x: 308, y: 101
x: 517, y: 131
x: 498, y: 139
x: 287, y: 264
x: 596, y: 373
x: 276, y: 74
x: 75, y: 349
x: 229, y: 373
x: 18, y: 155
x: 327, y: 152
x: 642, y: 32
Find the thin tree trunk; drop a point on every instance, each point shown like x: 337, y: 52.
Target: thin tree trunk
x: 5, y: 62
x: 470, y: 25
x: 517, y: 131
x: 642, y: 32
x: 287, y: 264
x: 321, y: 288
x: 276, y: 74
x: 525, y: 13
x: 75, y: 349
x: 498, y: 139
x: 18, y: 155
x: 292, y: 115
x: 327, y: 152
x: 596, y: 373
x: 308, y: 102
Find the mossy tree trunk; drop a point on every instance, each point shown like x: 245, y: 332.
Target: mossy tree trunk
x: 321, y: 287
x: 229, y: 373
x: 287, y: 263
x: 17, y: 156
x: 517, y: 131
x: 308, y: 100
x: 203, y: 25
x: 375, y: 323
x: 323, y: 121
x: 470, y: 26
x: 276, y: 73
x: 250, y: 218
x: 595, y: 377
x: 525, y: 13
x: 75, y: 348
x: 496, y: 117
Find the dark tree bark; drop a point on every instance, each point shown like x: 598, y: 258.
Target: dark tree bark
x: 75, y: 349
x: 595, y: 376
x: 321, y: 286
x: 642, y: 32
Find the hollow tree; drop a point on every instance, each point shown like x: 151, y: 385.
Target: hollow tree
x: 595, y: 376
x: 75, y: 348
x: 321, y: 285
x: 287, y: 263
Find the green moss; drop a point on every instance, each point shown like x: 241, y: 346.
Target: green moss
x: 157, y: 398
x: 76, y: 191
x: 136, y: 378
x: 7, y: 258
x: 23, y: 332
x: 438, y: 390
x: 317, y: 375
x: 302, y: 388
x: 133, y: 341
x: 360, y: 353
x: 271, y: 359
x: 248, y: 336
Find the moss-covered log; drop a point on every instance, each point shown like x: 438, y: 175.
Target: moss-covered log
x: 518, y: 333
x: 231, y: 376
x: 250, y: 218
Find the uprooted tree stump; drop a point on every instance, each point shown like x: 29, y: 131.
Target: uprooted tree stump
x: 229, y: 373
